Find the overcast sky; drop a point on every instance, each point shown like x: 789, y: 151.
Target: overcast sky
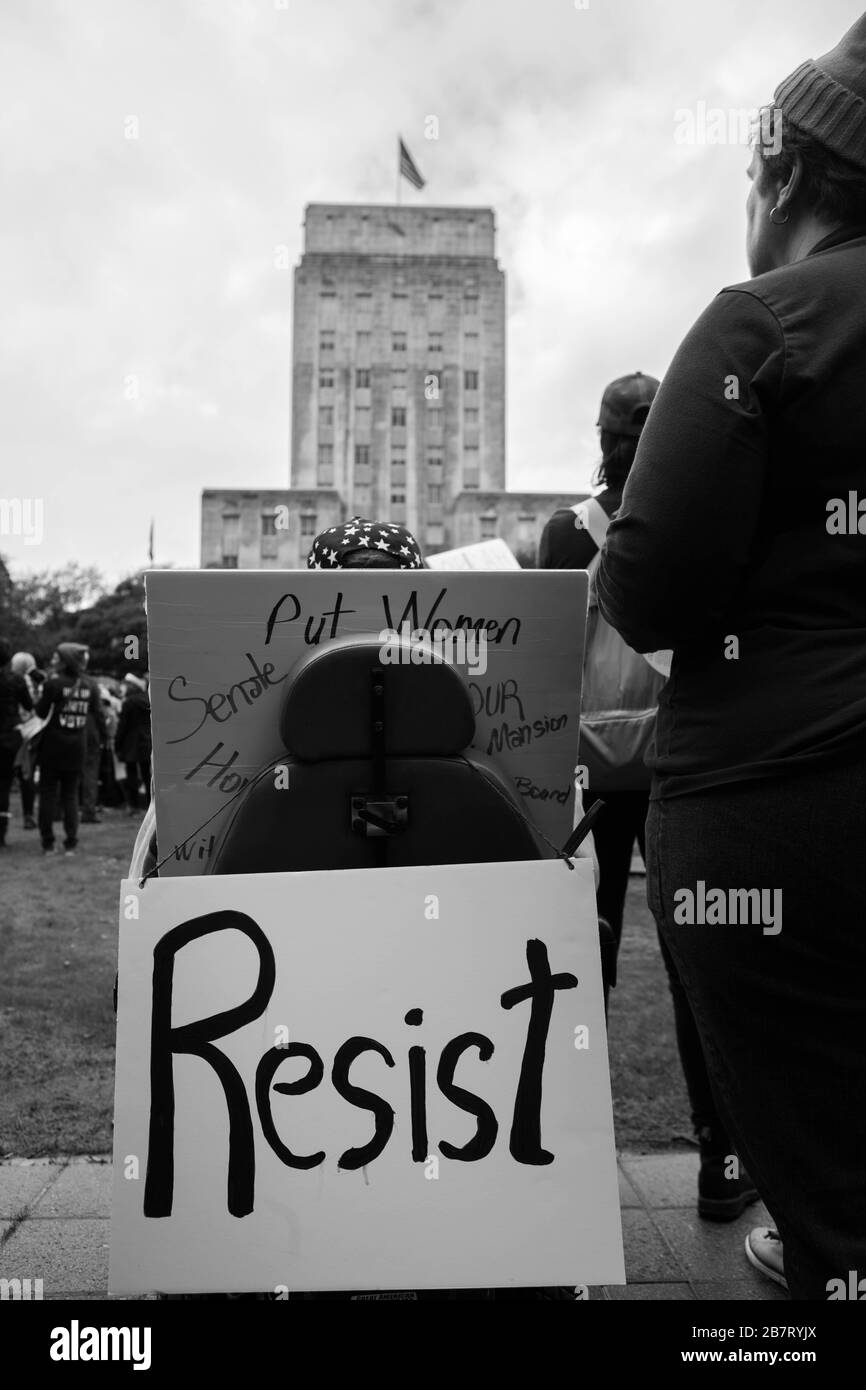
x: 145, y: 331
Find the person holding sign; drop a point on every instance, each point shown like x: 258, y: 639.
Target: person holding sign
x: 620, y: 695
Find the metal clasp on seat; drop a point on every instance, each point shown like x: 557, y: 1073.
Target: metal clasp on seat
x: 375, y: 814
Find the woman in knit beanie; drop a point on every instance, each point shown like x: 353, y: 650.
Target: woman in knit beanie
x: 741, y: 545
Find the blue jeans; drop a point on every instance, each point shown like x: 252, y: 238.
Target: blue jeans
x: 781, y: 1015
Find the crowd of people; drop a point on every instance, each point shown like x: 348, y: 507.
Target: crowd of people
x: 77, y: 742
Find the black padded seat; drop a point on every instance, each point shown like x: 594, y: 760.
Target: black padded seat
x: 436, y: 800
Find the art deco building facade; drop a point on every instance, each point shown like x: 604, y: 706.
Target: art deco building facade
x: 398, y: 392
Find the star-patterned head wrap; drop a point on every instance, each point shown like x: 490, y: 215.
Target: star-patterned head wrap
x: 331, y: 548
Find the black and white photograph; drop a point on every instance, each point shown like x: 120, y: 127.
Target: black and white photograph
x: 432, y: 672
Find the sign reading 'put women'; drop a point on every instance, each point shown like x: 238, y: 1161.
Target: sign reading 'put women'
x: 222, y: 645
x: 377, y: 1078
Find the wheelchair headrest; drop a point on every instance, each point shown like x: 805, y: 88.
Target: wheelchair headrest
x: 327, y: 706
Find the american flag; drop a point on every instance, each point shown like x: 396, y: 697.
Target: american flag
x: 409, y: 169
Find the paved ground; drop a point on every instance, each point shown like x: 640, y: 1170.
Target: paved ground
x: 54, y: 1225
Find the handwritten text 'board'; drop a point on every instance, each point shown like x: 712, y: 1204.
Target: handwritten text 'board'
x: 414, y: 1062
x: 222, y: 646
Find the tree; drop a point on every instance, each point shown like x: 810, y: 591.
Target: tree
x: 115, y: 629
x: 12, y: 628
x: 50, y: 598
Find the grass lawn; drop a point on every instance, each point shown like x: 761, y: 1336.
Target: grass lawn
x: 58, y: 953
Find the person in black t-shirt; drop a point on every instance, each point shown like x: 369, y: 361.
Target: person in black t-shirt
x: 67, y: 699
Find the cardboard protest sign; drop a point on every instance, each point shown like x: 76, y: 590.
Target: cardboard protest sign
x: 364, y: 1079
x: 223, y: 644
x: 495, y: 554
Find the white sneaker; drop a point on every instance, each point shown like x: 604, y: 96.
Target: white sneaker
x: 764, y: 1251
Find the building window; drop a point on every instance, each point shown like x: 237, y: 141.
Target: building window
x: 308, y: 523
x: 363, y: 294
x: 327, y: 342
x: 434, y: 493
x: 471, y: 469
x: 399, y: 342
x: 434, y: 417
x: 434, y: 468
x: 398, y: 470
x: 231, y: 538
x: 362, y: 419
x: 434, y: 343
x: 471, y: 340
x: 470, y: 417
x: 326, y: 417
x: 362, y: 456
x: 362, y: 344
x: 399, y: 294
x: 362, y: 378
x: 470, y: 304
x: 488, y: 526
x: 470, y: 381
x: 269, y: 524
x: 434, y: 534
x: 327, y: 294
x: 398, y: 416
x: 398, y: 506
x: 326, y: 381
x: 326, y: 465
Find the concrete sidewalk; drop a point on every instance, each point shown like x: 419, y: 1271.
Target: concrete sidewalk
x: 54, y: 1226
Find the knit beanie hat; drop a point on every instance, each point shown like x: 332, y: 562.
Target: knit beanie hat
x: 826, y: 97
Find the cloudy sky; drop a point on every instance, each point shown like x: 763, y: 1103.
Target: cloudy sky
x: 157, y: 153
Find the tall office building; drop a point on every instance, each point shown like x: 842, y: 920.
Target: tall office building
x: 398, y: 391
x: 399, y: 361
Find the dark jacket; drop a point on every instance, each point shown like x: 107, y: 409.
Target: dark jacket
x: 67, y: 698
x: 723, y: 533
x: 14, y: 697
x: 563, y: 545
x: 132, y: 739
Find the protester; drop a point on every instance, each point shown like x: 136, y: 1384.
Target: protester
x: 14, y: 697
x: 737, y: 546
x: 110, y: 793
x: 24, y: 665
x: 66, y: 699
x: 618, y: 774
x: 94, y: 744
x: 132, y: 740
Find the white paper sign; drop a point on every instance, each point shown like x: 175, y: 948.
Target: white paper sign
x: 415, y: 1066
x: 484, y: 555
x: 222, y: 646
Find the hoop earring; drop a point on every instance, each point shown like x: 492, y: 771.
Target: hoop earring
x: 778, y: 221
